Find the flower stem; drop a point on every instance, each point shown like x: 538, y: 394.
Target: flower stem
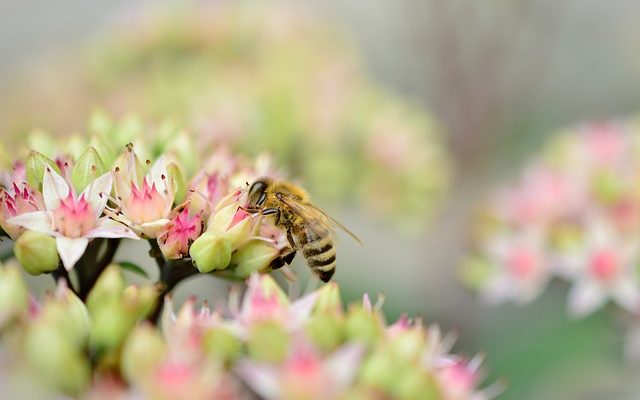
x: 98, y: 267
x: 62, y: 273
x: 172, y: 273
x: 156, y: 254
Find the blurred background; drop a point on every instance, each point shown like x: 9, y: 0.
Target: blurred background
x: 494, y: 79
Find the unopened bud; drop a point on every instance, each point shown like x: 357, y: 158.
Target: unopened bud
x: 35, y: 166
x: 176, y: 177
x: 88, y: 167
x: 268, y: 341
x: 362, y: 325
x: 328, y: 301
x: 326, y: 331
x: 142, y: 352
x: 110, y: 285
x: 211, y: 251
x: 55, y: 360
x: 255, y: 256
x: 14, y: 296
x: 221, y: 345
x: 415, y: 383
x: 36, y: 252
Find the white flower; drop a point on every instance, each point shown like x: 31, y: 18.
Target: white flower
x: 73, y: 219
x: 605, y: 268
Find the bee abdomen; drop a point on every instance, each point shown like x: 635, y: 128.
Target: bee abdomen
x: 321, y: 257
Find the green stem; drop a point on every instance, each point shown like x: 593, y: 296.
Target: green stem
x: 62, y: 273
x: 171, y: 274
x: 95, y: 270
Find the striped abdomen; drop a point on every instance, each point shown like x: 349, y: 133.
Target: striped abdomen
x: 317, y: 248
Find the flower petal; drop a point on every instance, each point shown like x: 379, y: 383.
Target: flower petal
x: 157, y: 171
x: 97, y: 193
x: 585, y: 297
x: 301, y: 309
x: 108, y: 228
x: 40, y: 221
x: 153, y: 228
x: 70, y: 250
x: 343, y: 365
x: 54, y: 189
x: 627, y: 294
x: 263, y: 379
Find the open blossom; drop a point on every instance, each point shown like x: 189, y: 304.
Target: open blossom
x: 605, y: 268
x: 144, y: 201
x: 71, y: 218
x: 304, y: 374
x: 17, y: 200
x: 183, y: 229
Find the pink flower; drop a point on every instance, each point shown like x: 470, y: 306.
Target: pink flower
x: 144, y: 202
x: 305, y: 374
x: 521, y: 267
x: 73, y: 219
x: 20, y: 199
x: 604, y: 267
x: 183, y: 229
x: 265, y: 301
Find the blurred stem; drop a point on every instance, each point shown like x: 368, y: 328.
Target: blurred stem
x: 172, y: 272
x: 96, y: 267
x: 157, y: 255
x: 62, y: 273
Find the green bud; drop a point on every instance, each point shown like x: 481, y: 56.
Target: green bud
x: 474, y: 272
x: 328, y: 300
x: 110, y: 285
x: 14, y: 296
x: 55, y: 360
x: 140, y: 300
x: 36, y: 252
x: 362, y: 325
x: 111, y: 325
x: 254, y: 256
x: 88, y: 167
x: 268, y: 341
x: 69, y: 315
x: 380, y: 371
x: 179, y: 184
x: 414, y: 383
x: 105, y: 149
x: 221, y: 345
x: 408, y: 345
x: 211, y: 251
x: 35, y: 166
x: 142, y: 352
x: 76, y: 145
x: 221, y: 220
x: 326, y: 331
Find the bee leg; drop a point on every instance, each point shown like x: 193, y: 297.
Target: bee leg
x: 288, y: 258
x: 272, y: 211
x: 283, y: 260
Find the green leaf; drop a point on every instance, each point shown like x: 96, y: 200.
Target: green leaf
x: 131, y: 267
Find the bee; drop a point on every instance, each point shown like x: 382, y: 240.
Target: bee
x: 308, y: 228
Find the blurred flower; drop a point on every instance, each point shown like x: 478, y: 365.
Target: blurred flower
x: 575, y: 215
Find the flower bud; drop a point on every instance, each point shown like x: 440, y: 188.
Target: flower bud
x: 110, y: 285
x: 36, y: 252
x: 140, y: 300
x: 35, y: 167
x: 232, y: 223
x: 14, y: 296
x: 326, y: 331
x: 328, y: 301
x: 55, y: 360
x: 88, y: 167
x: 416, y: 383
x: 221, y: 345
x: 475, y: 272
x: 379, y: 370
x: 41, y: 141
x: 142, y: 352
x: 68, y: 314
x: 255, y: 256
x: 111, y: 325
x: 362, y: 325
x: 211, y: 251
x: 268, y: 341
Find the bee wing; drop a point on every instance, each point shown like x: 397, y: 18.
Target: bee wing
x: 313, y: 214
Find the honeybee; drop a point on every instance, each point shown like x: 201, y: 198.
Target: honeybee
x: 308, y: 228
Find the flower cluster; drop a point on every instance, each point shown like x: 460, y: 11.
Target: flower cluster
x: 258, y: 345
x: 257, y: 78
x: 573, y: 215
x: 67, y: 201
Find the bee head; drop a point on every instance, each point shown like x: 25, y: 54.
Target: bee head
x: 257, y: 193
